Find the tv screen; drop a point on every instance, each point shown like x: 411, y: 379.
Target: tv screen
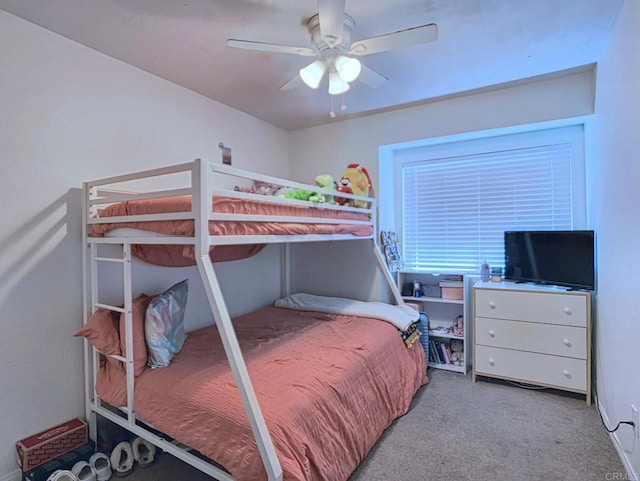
x: 561, y: 258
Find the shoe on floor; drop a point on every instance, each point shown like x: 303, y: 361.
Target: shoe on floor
x: 62, y: 475
x: 143, y: 452
x: 83, y: 471
x: 101, y: 465
x: 122, y: 459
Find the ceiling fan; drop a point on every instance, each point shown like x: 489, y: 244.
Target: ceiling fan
x: 330, y: 30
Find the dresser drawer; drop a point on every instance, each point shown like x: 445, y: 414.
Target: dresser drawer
x: 548, y: 308
x: 563, y: 372
x: 534, y: 337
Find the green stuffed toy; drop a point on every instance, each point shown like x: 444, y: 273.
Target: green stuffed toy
x: 299, y: 194
x: 326, y: 181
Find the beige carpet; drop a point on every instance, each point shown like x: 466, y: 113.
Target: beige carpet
x: 458, y: 430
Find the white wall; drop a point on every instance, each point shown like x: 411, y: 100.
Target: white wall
x: 615, y: 152
x: 71, y: 114
x: 335, y: 145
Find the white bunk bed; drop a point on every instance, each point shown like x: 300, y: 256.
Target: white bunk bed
x: 203, y: 185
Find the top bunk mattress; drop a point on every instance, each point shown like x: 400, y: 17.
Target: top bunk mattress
x: 183, y: 255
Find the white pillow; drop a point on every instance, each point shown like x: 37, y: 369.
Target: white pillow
x: 164, y: 324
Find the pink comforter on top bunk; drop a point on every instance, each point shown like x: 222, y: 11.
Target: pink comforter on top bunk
x: 172, y: 255
x: 328, y: 385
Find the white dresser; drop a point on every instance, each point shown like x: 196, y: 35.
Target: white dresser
x: 533, y: 334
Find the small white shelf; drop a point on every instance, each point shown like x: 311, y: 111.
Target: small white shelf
x: 448, y: 367
x: 432, y: 299
x: 442, y: 312
x: 448, y: 336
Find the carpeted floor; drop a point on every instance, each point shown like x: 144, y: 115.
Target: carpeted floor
x: 460, y: 430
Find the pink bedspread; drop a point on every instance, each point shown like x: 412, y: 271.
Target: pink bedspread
x: 328, y: 385
x: 172, y: 255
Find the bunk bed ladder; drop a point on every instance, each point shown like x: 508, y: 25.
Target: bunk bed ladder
x: 127, y: 310
x: 91, y: 303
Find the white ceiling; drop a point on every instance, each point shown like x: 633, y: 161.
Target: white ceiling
x: 481, y: 43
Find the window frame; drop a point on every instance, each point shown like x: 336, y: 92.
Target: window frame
x: 433, y: 149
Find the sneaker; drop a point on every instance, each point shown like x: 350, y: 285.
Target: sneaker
x: 143, y: 452
x: 122, y: 459
x: 101, y: 465
x: 62, y: 475
x: 83, y: 471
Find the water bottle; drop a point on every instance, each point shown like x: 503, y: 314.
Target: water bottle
x: 484, y: 272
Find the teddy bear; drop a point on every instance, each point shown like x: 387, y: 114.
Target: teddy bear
x: 355, y: 180
x: 457, y: 352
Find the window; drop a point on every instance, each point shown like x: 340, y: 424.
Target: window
x: 457, y: 199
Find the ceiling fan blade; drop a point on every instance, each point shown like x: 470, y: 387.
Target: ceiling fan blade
x: 392, y: 41
x: 371, y: 78
x: 292, y: 84
x: 331, y: 18
x: 270, y: 47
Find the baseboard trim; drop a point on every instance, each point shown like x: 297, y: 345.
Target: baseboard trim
x: 13, y: 476
x: 622, y: 454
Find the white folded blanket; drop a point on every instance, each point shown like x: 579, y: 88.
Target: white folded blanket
x: 400, y: 316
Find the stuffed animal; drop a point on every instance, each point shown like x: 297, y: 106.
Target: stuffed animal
x: 282, y: 191
x: 300, y: 194
x: 258, y: 187
x: 458, y: 326
x: 326, y: 181
x: 457, y: 352
x: 355, y: 180
x: 303, y: 194
x: 323, y: 180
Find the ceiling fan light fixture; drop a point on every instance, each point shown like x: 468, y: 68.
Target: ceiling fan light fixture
x: 337, y: 85
x: 312, y: 74
x: 348, y: 68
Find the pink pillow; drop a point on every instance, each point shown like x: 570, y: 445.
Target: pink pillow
x: 139, y: 310
x: 102, y: 332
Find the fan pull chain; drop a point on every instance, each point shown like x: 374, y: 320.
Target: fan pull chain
x: 332, y: 114
x: 343, y: 107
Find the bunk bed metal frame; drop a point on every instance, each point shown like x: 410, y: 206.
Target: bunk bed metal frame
x: 201, y: 189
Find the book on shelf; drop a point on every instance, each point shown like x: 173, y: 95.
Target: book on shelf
x: 440, y: 352
x: 435, y: 352
x: 443, y: 356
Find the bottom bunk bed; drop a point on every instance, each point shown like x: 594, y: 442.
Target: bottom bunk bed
x: 328, y: 385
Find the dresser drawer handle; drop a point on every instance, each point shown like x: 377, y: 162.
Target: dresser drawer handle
x: 566, y: 373
x: 492, y: 305
x: 566, y: 342
x: 492, y: 333
x: 567, y: 311
x: 491, y: 361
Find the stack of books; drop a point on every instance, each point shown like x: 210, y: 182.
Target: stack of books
x: 440, y: 351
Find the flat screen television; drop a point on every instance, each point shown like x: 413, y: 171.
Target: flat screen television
x: 560, y: 258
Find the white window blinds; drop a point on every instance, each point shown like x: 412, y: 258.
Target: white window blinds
x: 455, y: 209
